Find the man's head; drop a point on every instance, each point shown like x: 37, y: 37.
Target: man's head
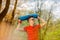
x: 31, y: 20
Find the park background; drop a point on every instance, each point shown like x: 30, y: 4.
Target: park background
x: 10, y: 10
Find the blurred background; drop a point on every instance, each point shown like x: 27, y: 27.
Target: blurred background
x: 10, y: 10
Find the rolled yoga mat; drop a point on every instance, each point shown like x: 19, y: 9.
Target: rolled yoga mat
x: 27, y: 16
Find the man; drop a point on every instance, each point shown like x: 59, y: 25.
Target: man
x: 32, y: 30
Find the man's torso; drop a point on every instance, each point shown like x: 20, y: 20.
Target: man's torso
x: 32, y: 32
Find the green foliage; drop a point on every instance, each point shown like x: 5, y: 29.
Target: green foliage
x: 53, y: 32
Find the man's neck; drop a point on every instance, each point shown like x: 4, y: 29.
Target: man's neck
x: 31, y: 24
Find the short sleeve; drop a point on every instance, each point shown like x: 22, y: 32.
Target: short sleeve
x: 25, y: 28
x: 39, y: 26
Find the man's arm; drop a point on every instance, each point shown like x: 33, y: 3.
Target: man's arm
x: 19, y: 29
x: 43, y: 23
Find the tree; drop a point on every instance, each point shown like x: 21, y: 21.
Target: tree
x: 13, y: 13
x: 49, y: 18
x: 0, y: 4
x: 39, y: 6
x: 4, y: 12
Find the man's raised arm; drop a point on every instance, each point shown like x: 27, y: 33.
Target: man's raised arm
x: 19, y: 24
x: 43, y: 22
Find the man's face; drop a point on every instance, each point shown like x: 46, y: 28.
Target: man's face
x: 31, y: 20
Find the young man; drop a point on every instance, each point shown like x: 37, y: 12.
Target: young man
x: 32, y: 30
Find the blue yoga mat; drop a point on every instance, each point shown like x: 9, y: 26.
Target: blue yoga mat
x: 27, y: 16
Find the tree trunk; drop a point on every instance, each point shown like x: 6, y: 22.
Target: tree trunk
x: 40, y: 13
x: 14, y: 10
x: 4, y: 12
x: 0, y: 4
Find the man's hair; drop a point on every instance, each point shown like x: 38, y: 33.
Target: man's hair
x: 29, y: 18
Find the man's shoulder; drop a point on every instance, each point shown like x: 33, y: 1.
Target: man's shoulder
x: 26, y: 27
x: 38, y: 25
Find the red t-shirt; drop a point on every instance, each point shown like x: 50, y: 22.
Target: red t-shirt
x: 32, y: 32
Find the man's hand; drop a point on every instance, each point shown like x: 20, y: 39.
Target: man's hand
x: 38, y: 18
x: 19, y: 21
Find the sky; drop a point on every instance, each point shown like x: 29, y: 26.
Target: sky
x: 31, y: 5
